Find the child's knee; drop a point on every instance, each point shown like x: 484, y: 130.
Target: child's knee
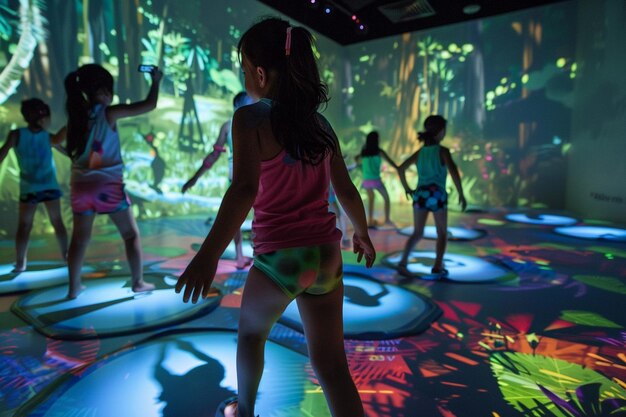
x: 24, y: 225
x: 130, y: 235
x: 328, y: 366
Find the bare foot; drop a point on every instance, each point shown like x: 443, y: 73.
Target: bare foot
x: 231, y: 410
x: 143, y: 286
x: 73, y: 293
x: 243, y: 263
x: 440, y: 270
x: 389, y: 223
x: 403, y: 270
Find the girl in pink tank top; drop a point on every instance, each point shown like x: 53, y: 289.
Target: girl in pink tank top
x: 285, y: 156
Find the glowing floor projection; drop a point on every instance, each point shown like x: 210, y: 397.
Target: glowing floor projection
x: 230, y: 253
x: 593, y: 232
x: 542, y: 219
x: 375, y: 310
x: 462, y: 268
x: 108, y: 307
x: 454, y: 233
x: 39, y: 274
x: 182, y: 374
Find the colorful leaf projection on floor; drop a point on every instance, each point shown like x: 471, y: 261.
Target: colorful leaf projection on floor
x: 545, y: 339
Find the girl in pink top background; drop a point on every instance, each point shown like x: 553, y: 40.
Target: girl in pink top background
x: 285, y: 156
x: 97, y: 185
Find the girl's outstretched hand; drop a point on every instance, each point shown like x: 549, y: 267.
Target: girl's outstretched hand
x: 409, y: 193
x: 197, y: 279
x: 156, y: 75
x: 462, y: 202
x: 363, y: 246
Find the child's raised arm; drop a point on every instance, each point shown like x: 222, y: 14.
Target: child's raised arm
x: 210, y: 159
x: 402, y: 171
x: 388, y: 159
x: 8, y: 144
x: 59, y: 137
x: 454, y: 173
x: 120, y: 111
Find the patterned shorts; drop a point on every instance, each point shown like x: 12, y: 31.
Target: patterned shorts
x: 430, y: 197
x: 96, y: 198
x: 40, y: 196
x: 296, y: 270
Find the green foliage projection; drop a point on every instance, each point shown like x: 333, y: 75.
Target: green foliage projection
x: 519, y: 376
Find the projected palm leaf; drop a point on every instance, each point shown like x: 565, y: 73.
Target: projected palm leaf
x: 606, y: 283
x: 31, y: 27
x: 586, y: 403
x: 524, y: 380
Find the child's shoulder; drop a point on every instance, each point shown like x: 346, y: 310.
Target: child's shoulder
x: 252, y: 115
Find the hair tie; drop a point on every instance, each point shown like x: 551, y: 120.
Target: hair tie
x: 288, y: 42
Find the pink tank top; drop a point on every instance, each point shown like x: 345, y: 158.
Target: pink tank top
x: 291, y: 206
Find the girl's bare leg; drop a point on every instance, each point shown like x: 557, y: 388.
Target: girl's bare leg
x: 322, y: 319
x: 26, y: 215
x: 383, y: 192
x: 441, y: 224
x: 262, y: 304
x: 419, y: 221
x: 54, y: 214
x: 370, y: 207
x: 125, y: 223
x: 81, y: 234
x: 241, y: 260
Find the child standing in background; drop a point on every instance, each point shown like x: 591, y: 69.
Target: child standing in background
x: 38, y: 180
x: 433, y: 163
x: 225, y: 138
x: 285, y: 156
x: 97, y: 185
x: 370, y: 159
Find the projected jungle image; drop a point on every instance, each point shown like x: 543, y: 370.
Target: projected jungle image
x: 504, y: 83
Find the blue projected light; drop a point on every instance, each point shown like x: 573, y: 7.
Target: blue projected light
x: 543, y: 219
x: 37, y: 275
x: 461, y: 268
x: 181, y: 374
x: 108, y: 307
x: 375, y: 310
x: 454, y: 233
x: 593, y: 232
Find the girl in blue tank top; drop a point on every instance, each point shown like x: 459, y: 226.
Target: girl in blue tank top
x: 38, y: 180
x: 433, y: 163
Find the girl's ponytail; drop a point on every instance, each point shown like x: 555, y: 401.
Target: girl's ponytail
x: 432, y: 126
x: 287, y: 52
x: 81, y: 86
x: 77, y: 109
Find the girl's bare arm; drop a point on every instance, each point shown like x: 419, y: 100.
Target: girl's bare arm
x: 402, y: 171
x: 120, y: 111
x: 388, y: 159
x: 8, y: 144
x: 454, y: 173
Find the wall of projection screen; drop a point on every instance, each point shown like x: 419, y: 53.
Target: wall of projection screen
x: 535, y: 99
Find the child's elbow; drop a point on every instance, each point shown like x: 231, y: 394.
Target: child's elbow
x: 245, y: 190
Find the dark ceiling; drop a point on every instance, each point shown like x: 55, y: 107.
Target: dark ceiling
x: 352, y: 21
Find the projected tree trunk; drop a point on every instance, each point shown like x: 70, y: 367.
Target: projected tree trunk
x: 190, y: 137
x: 32, y: 31
x: 474, y: 106
x: 407, y: 100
